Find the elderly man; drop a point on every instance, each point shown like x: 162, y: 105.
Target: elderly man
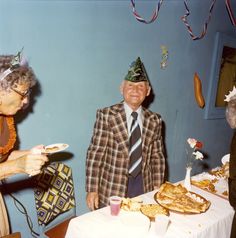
x: 125, y: 156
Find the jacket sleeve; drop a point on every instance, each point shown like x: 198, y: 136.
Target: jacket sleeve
x: 157, y: 156
x: 96, y: 152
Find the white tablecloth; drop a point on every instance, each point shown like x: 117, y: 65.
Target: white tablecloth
x: 215, y: 222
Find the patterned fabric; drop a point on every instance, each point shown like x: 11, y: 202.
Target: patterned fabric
x: 54, y: 192
x: 135, y: 151
x: 108, y: 154
x: 137, y: 72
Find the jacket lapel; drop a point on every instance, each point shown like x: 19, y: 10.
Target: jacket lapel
x: 119, y: 126
x: 147, y: 132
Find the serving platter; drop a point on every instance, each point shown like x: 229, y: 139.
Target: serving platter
x: 211, y: 183
x: 178, y: 199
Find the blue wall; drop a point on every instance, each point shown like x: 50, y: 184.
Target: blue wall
x: 81, y: 50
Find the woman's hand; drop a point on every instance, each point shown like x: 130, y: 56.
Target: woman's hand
x: 38, y: 149
x: 32, y: 163
x: 20, y: 161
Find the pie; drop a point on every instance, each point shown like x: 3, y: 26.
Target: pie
x: 206, y: 184
x: 52, y: 149
x: 55, y: 148
x: 225, y: 193
x: 131, y: 204
x: 151, y: 210
x: 221, y: 172
x: 178, y: 198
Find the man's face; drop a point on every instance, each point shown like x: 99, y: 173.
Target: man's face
x: 14, y: 100
x: 134, y: 93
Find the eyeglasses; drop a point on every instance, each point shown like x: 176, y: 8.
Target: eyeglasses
x: 22, y: 94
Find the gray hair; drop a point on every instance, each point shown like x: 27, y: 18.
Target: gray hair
x: 23, y: 75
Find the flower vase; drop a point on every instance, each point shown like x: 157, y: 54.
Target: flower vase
x: 187, y: 180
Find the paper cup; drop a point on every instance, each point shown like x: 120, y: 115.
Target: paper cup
x: 115, y: 203
x: 161, y: 224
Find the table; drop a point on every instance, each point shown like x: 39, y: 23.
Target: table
x: 215, y: 222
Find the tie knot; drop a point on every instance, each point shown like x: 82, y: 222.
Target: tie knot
x: 134, y: 115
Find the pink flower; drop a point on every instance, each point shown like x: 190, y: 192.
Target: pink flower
x: 192, y: 142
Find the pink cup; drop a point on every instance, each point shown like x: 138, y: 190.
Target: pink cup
x: 115, y: 203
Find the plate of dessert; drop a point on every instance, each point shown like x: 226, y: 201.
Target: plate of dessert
x: 54, y: 148
x: 178, y: 199
x: 152, y: 210
x: 209, y: 182
x: 131, y: 204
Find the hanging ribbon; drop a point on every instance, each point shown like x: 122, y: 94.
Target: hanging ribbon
x: 184, y: 19
x: 154, y: 16
x: 229, y: 10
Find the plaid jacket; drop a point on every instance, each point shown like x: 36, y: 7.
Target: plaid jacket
x: 107, y: 156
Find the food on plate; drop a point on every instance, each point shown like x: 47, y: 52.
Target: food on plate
x: 211, y: 183
x: 221, y: 172
x: 131, y: 204
x: 225, y: 167
x: 206, y: 184
x: 178, y: 198
x: 55, y: 148
x: 225, y: 193
x: 151, y: 210
x: 52, y: 149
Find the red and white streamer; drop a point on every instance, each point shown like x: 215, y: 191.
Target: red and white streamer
x: 154, y: 16
x: 184, y: 19
x: 230, y: 12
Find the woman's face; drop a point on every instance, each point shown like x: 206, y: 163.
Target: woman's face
x: 14, y: 100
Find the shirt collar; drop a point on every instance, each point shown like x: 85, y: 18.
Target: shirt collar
x: 128, y: 110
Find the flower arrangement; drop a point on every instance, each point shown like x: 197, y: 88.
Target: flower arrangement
x: 193, y: 152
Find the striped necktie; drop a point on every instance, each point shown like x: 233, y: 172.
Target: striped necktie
x: 135, y: 147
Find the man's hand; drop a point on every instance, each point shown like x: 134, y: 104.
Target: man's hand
x: 156, y: 187
x: 92, y: 200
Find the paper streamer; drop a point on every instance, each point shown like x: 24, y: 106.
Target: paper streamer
x: 154, y: 16
x: 184, y: 19
x: 230, y: 12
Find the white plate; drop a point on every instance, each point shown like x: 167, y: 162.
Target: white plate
x: 225, y: 158
x: 54, y: 148
x: 203, y: 176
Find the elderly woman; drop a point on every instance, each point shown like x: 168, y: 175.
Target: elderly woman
x: 16, y: 81
x: 231, y: 118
